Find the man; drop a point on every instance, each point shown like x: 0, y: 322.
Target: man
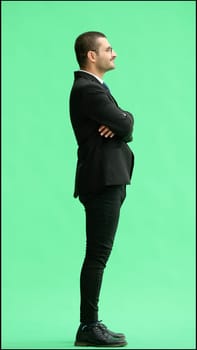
x: 104, y: 168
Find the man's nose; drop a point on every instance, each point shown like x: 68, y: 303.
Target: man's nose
x: 114, y: 54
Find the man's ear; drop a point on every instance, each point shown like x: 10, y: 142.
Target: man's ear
x: 91, y: 56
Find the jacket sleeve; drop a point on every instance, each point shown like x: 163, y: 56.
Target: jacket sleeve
x: 129, y: 136
x: 99, y: 107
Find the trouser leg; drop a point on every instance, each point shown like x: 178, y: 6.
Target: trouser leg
x: 102, y: 216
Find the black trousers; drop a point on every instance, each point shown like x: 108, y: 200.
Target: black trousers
x: 102, y: 216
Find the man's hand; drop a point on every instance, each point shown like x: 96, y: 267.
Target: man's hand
x: 105, y: 131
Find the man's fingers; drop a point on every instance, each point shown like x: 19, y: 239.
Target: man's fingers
x: 102, y: 127
x: 109, y: 133
x: 104, y: 130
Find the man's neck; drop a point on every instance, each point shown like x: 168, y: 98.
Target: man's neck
x: 94, y: 71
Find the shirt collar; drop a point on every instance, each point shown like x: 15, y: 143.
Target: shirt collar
x: 99, y: 79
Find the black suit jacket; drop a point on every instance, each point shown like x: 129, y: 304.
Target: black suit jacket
x: 101, y: 161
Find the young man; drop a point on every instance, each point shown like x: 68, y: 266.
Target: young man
x: 104, y: 168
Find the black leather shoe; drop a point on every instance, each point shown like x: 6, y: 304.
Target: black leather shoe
x: 97, y: 335
x: 115, y: 335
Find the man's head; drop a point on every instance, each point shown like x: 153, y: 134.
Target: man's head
x: 94, y: 53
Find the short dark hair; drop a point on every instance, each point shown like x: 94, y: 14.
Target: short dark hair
x: 86, y: 42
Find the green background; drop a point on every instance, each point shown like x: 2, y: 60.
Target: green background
x: 148, y: 289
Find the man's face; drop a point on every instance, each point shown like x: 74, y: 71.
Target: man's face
x: 105, y: 55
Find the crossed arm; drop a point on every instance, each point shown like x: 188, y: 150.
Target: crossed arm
x: 113, y: 120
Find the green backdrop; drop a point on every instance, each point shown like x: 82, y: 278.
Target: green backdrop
x: 148, y: 289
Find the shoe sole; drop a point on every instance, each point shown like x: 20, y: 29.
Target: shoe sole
x: 77, y: 343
